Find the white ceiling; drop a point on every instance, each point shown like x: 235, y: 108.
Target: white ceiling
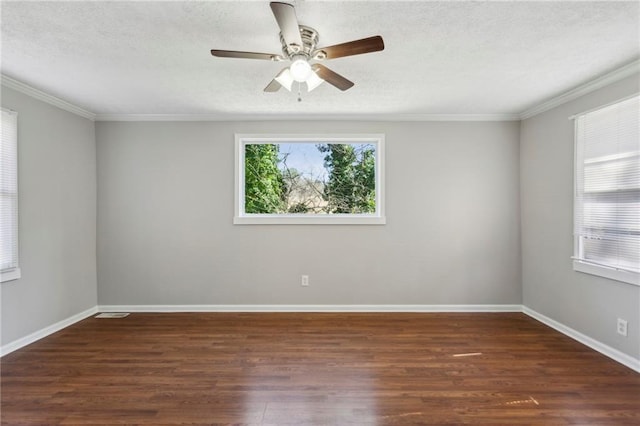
x: 440, y: 57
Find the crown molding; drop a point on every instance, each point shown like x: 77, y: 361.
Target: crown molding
x: 67, y: 106
x: 45, y: 97
x: 604, y: 80
x: 309, y: 117
x: 609, y: 78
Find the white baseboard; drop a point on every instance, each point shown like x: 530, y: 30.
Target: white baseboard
x: 34, y: 337
x: 607, y: 350
x: 310, y: 308
x: 612, y: 353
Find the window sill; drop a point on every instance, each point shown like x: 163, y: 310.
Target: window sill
x: 10, y: 275
x: 611, y: 273
x: 309, y: 220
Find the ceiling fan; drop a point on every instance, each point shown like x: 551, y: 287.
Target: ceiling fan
x: 299, y: 46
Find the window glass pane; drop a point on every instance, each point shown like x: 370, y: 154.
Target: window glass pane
x: 9, y: 193
x: 309, y: 177
x: 318, y: 178
x: 607, y: 199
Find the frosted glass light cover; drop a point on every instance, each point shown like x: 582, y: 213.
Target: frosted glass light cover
x: 313, y: 81
x: 300, y: 70
x: 285, y: 79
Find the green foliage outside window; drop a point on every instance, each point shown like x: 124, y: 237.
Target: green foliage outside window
x: 351, y: 184
x: 263, y: 187
x: 346, y: 187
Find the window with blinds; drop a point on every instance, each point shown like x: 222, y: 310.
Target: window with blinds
x: 607, y: 192
x: 9, y: 268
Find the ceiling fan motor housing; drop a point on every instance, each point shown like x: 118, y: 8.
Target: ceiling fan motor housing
x: 309, y: 38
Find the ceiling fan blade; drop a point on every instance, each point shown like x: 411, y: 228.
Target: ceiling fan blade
x: 350, y: 48
x: 332, y: 77
x: 283, y: 79
x: 274, y: 86
x: 245, y: 55
x: 285, y: 15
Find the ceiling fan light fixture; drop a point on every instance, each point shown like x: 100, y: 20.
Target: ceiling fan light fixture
x: 285, y: 79
x: 300, y: 69
x: 313, y: 81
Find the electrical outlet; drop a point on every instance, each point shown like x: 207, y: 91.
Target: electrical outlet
x: 622, y: 327
x: 304, y: 281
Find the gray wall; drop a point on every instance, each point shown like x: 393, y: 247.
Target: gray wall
x: 165, y: 210
x: 586, y: 303
x: 165, y: 235
x: 57, y: 202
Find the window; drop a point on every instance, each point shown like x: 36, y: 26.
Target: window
x: 302, y: 179
x: 9, y: 269
x: 607, y: 192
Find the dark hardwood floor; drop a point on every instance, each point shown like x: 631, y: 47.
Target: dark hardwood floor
x: 315, y: 368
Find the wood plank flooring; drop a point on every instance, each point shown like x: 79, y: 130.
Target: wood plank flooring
x: 315, y: 369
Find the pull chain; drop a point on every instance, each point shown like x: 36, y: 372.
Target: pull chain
x: 299, y: 94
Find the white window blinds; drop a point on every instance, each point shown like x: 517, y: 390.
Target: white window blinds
x: 9, y: 196
x: 607, y: 198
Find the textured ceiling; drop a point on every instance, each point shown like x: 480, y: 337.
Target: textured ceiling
x: 440, y: 57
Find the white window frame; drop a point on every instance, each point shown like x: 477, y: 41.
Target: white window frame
x: 10, y: 156
x: 242, y: 218
x: 580, y: 264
